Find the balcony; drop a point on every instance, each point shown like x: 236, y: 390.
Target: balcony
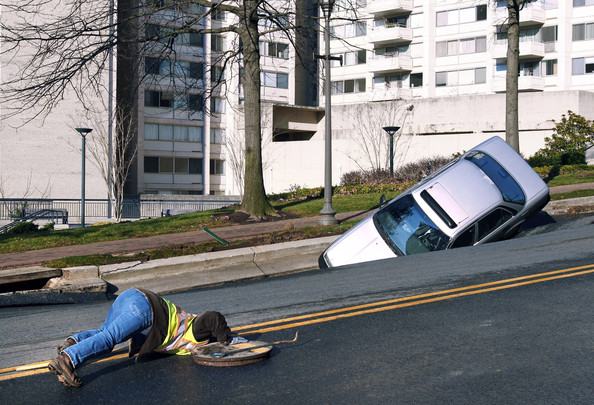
x: 394, y: 63
x: 387, y: 7
x: 528, y: 50
x: 529, y: 16
x: 525, y: 84
x: 390, y: 34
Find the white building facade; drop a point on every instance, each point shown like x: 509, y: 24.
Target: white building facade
x: 435, y: 68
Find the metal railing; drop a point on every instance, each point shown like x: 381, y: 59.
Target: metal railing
x: 53, y: 215
x: 132, y: 208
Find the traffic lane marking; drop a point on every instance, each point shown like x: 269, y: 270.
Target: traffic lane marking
x: 358, y: 310
x: 418, y: 299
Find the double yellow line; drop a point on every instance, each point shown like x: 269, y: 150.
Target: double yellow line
x: 396, y: 303
x: 331, y: 315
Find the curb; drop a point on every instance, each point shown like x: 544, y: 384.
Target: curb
x: 581, y: 205
x: 90, y: 283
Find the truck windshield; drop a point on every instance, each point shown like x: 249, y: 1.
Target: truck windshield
x: 407, y: 229
x: 510, y: 190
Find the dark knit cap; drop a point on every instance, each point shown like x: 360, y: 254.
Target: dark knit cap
x: 211, y: 324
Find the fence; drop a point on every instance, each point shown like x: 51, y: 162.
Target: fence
x: 133, y: 208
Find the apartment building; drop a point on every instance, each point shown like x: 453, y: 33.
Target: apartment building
x: 437, y: 69
x: 189, y: 110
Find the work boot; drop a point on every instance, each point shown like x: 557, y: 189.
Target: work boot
x: 67, y: 343
x: 63, y: 368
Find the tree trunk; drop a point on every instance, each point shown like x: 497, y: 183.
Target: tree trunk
x: 254, y: 200
x: 513, y: 64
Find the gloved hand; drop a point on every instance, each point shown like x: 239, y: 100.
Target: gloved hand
x: 237, y: 339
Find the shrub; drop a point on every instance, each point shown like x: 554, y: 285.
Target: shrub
x: 24, y: 227
x: 567, y: 145
x: 408, y: 173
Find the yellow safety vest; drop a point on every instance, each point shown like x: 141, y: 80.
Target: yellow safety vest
x: 180, y: 339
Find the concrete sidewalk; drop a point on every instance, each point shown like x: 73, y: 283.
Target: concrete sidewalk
x: 187, y: 272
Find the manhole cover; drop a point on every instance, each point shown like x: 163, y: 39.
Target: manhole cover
x: 218, y: 355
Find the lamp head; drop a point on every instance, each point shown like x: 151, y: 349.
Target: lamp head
x: 83, y: 131
x: 391, y: 130
x: 327, y: 6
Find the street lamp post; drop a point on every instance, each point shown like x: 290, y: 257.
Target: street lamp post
x: 83, y: 132
x: 328, y: 214
x: 391, y: 131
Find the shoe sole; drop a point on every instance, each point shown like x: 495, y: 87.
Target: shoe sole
x: 55, y: 368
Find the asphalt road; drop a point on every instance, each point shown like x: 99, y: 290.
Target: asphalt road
x: 530, y: 343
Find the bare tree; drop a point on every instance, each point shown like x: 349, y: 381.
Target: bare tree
x: 67, y: 49
x: 234, y: 146
x: 513, y: 65
x: 115, y: 171
x: 372, y: 141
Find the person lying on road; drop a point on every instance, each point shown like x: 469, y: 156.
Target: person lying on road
x: 150, y: 323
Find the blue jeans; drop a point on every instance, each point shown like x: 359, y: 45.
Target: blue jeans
x: 129, y: 315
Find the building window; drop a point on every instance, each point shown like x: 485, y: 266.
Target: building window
x: 217, y: 166
x: 217, y: 74
x: 461, y: 46
x: 151, y: 164
x: 356, y: 29
x: 278, y: 50
x: 531, y: 68
x: 190, y: 70
x: 155, y: 32
x: 581, y: 3
x: 582, y: 32
x: 152, y: 32
x: 194, y: 166
x: 526, y: 35
x: 156, y: 66
x: 581, y: 66
x: 389, y: 81
x: 190, y: 39
x: 195, y: 102
x: 217, y: 136
x: 391, y: 22
x: 348, y: 86
x: 158, y: 99
x: 217, y: 105
x: 216, y: 43
x: 416, y: 20
x: 461, y: 77
x: 178, y: 165
x: 275, y: 79
x: 164, y: 67
x: 549, y: 37
x: 416, y: 80
x: 549, y: 34
x: 216, y: 14
x: 550, y: 67
x: 461, y: 16
x: 274, y: 21
x: 350, y: 58
x: 181, y: 165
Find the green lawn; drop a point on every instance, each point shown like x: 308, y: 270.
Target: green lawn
x: 572, y: 178
x: 10, y: 243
